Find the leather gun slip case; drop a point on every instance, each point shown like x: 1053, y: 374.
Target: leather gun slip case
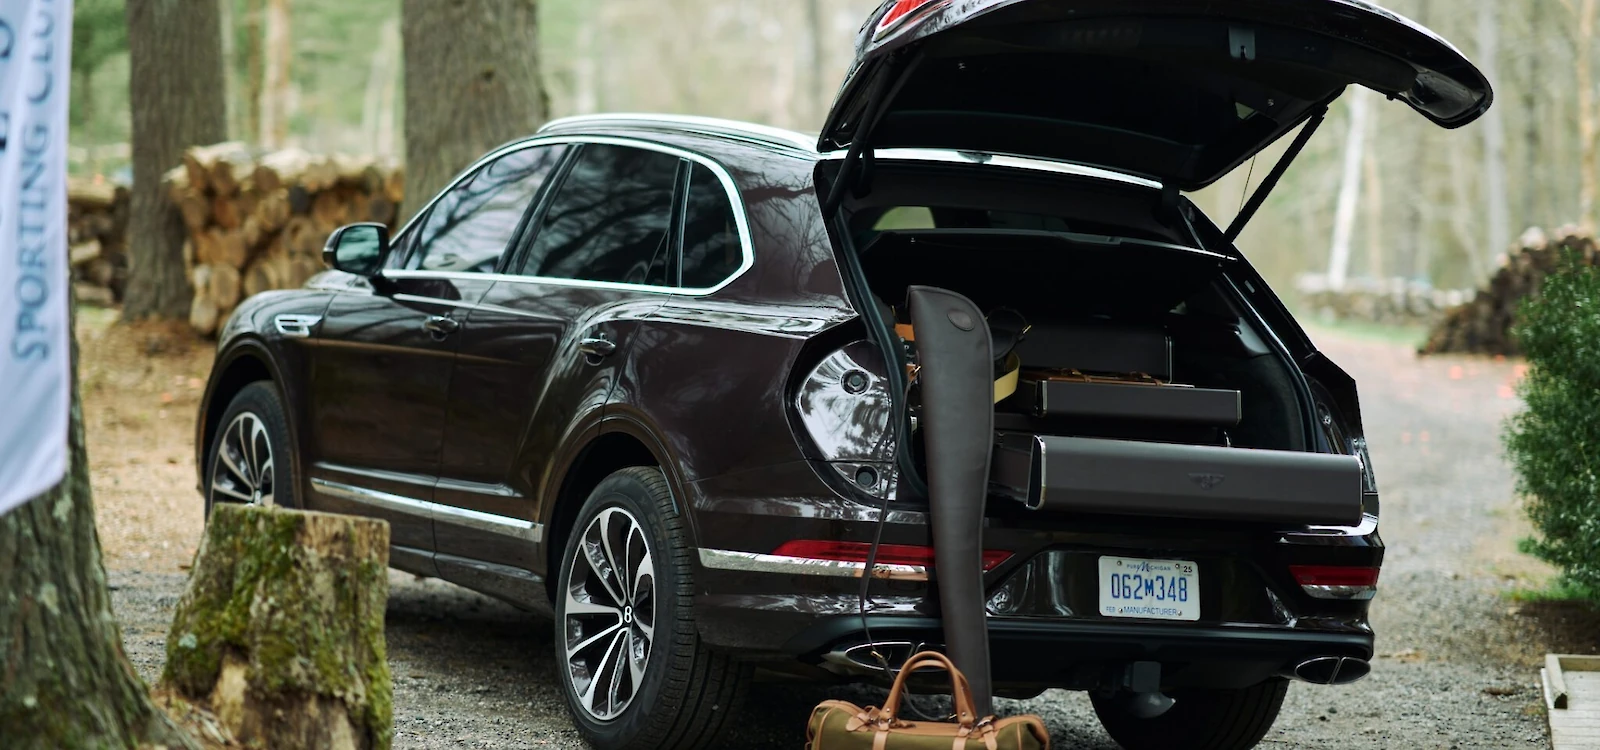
x: 956, y: 356
x: 1124, y: 477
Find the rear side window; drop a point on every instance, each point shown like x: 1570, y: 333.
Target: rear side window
x: 711, y: 248
x: 611, y: 219
x: 469, y: 227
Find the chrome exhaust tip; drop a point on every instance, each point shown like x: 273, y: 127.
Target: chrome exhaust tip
x: 871, y: 658
x: 1331, y: 670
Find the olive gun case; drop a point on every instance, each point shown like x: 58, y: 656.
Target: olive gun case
x: 1124, y: 477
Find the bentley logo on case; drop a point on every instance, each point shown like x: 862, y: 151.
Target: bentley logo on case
x: 1206, y: 481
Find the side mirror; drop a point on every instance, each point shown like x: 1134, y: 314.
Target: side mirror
x: 359, y: 249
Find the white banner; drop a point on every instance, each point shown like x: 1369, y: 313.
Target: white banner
x: 35, y: 353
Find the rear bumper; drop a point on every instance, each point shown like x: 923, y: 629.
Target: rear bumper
x: 1030, y: 654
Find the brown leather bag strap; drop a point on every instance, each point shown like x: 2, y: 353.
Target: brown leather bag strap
x: 960, y: 691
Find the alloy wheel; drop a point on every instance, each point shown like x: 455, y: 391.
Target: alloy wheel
x: 609, y: 613
x: 242, y: 470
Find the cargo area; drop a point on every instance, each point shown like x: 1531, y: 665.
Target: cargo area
x: 1130, y: 379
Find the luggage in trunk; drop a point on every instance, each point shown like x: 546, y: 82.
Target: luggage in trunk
x: 1123, y: 477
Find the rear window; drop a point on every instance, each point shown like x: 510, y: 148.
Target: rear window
x: 711, y: 247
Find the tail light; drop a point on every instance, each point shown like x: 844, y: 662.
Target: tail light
x: 899, y: 12
x: 888, y: 554
x: 1336, y: 581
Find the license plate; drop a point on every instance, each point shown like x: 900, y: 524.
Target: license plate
x: 1150, y: 589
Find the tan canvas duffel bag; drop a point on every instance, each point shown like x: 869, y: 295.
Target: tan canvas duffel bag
x: 840, y: 725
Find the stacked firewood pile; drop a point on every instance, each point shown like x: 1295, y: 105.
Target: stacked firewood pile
x: 97, y: 228
x: 1394, y: 301
x: 1483, y: 325
x: 257, y: 221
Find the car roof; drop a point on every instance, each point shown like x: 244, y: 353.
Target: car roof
x: 798, y: 145
x: 791, y: 141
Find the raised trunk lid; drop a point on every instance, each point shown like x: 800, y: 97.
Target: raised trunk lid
x: 1178, y: 91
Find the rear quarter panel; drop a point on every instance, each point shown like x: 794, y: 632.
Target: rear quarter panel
x: 709, y: 376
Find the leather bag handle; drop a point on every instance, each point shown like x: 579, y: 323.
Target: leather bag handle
x: 960, y: 691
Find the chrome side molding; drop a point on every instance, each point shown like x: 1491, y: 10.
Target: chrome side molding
x: 489, y: 522
x: 755, y: 562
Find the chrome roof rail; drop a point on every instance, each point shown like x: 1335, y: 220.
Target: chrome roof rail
x: 705, y: 125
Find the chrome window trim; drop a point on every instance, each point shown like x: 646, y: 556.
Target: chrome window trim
x: 991, y: 159
x: 690, y: 123
x: 755, y: 562
x: 740, y: 218
x: 489, y: 522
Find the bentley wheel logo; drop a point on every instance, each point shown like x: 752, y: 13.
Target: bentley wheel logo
x: 1206, y: 481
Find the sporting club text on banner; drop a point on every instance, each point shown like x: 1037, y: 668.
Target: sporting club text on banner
x: 35, y: 354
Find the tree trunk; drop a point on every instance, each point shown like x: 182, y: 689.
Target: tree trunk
x: 65, y: 681
x: 1344, y: 220
x: 817, y: 60
x: 463, y: 99
x: 586, y: 99
x: 254, y: 72
x: 275, y: 80
x: 177, y: 89
x: 280, y: 631
x: 1373, y: 198
x: 1494, y: 135
x: 1535, y: 197
x: 1589, y: 184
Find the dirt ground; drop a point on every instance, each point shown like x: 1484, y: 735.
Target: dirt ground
x: 1458, y: 664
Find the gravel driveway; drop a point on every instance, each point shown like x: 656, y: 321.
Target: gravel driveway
x: 1457, y: 665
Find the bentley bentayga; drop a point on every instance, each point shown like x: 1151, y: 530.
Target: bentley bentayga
x: 660, y: 376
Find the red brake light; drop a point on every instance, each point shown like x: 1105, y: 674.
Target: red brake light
x: 897, y: 13
x: 888, y: 554
x: 1333, y: 575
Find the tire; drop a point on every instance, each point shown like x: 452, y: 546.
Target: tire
x: 685, y: 693
x: 233, y: 473
x: 1233, y: 719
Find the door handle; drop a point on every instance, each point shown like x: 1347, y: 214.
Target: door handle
x: 440, y: 326
x: 597, y: 346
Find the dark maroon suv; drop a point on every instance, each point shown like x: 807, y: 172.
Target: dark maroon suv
x: 661, y: 375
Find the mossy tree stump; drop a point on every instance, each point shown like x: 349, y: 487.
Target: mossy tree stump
x: 280, y: 631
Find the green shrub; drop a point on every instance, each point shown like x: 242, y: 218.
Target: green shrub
x: 1554, y: 444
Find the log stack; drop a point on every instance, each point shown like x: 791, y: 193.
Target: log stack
x: 1392, y: 301
x: 97, y: 230
x: 1483, y: 325
x: 257, y: 220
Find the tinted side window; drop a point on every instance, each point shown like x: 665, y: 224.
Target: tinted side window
x: 711, y: 249
x: 471, y: 225
x: 610, y: 220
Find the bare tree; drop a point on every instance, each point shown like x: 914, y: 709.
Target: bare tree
x: 817, y: 63
x: 1349, y: 187
x: 177, y: 90
x: 1494, y: 133
x: 377, y: 113
x: 275, y: 79
x: 462, y: 99
x: 1583, y: 62
x: 254, y: 70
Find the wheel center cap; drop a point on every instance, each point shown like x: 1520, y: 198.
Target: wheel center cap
x: 627, y: 615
